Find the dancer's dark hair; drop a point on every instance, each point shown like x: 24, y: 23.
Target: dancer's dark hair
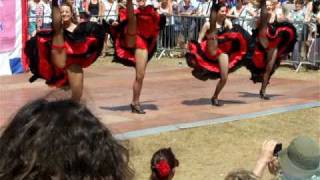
x: 60, y: 140
x: 217, y: 5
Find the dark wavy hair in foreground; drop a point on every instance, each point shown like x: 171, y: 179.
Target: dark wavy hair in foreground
x: 60, y: 140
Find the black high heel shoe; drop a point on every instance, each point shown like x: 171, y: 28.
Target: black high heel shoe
x: 216, y: 102
x: 263, y: 96
x: 136, y: 109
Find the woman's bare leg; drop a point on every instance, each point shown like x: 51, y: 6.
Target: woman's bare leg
x: 130, y: 35
x: 75, y: 77
x: 223, y: 63
x: 58, y: 54
x: 141, y: 56
x: 271, y: 57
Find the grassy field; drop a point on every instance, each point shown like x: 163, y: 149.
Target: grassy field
x: 209, y: 153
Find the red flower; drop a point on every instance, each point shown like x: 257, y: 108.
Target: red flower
x: 163, y: 168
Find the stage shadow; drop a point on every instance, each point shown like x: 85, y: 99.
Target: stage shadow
x: 127, y: 107
x: 207, y: 101
x: 248, y: 94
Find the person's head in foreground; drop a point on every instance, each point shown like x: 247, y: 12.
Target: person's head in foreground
x: 60, y: 140
x: 301, y: 159
x: 241, y: 174
x: 163, y: 164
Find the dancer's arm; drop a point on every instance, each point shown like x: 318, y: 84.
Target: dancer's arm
x: 203, y: 31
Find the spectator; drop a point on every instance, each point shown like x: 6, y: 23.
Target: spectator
x: 165, y: 8
x: 205, y: 8
x: 35, y: 11
x: 185, y: 8
x: 243, y: 15
x: 310, y: 26
x: 185, y: 26
x: 163, y: 164
x: 95, y: 8
x: 299, y: 161
x: 121, y: 4
x: 297, y: 16
x: 279, y: 11
x: 111, y: 10
x: 111, y: 16
x: 60, y: 140
x: 314, y: 52
x: 230, y: 3
x: 175, y: 6
x: 154, y: 3
x: 308, y: 10
x: 46, y: 14
x: 241, y: 174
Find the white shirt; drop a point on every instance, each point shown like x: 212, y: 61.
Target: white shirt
x: 154, y: 3
x: 46, y: 12
x: 110, y: 10
x: 205, y: 8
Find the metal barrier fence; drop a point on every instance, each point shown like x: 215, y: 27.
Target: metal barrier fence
x: 180, y: 29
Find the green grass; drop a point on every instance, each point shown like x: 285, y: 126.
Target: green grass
x: 211, y: 152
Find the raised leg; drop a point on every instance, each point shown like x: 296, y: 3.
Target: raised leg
x: 58, y: 55
x: 130, y: 36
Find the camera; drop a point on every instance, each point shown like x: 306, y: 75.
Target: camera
x: 277, y: 149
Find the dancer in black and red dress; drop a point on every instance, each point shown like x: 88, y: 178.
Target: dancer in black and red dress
x: 135, y: 41
x: 58, y: 56
x: 270, y: 44
x: 220, y: 53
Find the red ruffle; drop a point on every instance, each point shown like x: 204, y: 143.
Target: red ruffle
x: 259, y: 57
x: 199, y: 56
x: 147, y: 21
x: 148, y: 27
x: 76, y: 54
x: 199, y: 61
